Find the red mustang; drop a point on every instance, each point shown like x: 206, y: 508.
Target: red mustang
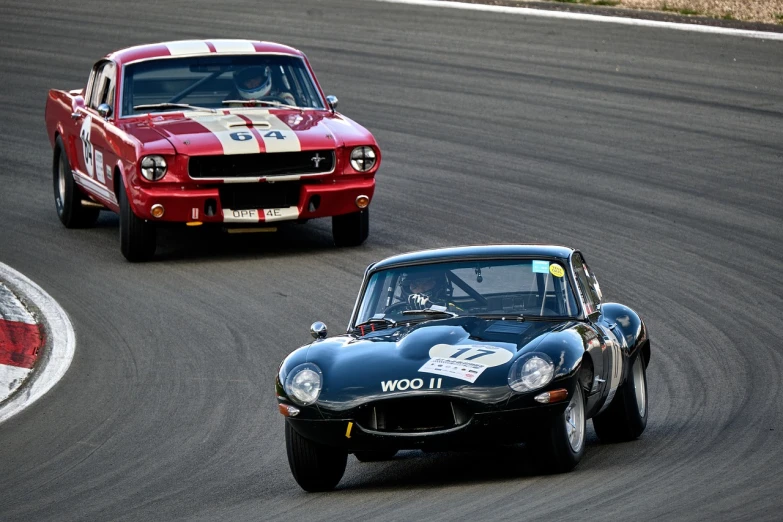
x: 229, y: 132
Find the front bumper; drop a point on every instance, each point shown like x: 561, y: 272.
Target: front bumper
x: 503, y: 427
x: 183, y: 204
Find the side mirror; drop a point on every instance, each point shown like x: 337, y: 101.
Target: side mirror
x: 332, y: 101
x: 104, y: 109
x: 318, y: 330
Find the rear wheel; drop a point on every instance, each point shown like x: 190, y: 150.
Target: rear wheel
x: 375, y: 456
x: 137, y: 237
x: 626, y: 417
x: 67, y: 196
x: 562, y: 446
x: 351, y: 229
x: 315, y: 467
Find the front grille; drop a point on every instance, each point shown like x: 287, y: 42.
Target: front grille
x: 247, y: 196
x: 413, y: 415
x: 262, y: 164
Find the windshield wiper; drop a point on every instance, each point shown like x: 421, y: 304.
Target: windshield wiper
x: 374, y: 324
x: 433, y: 310
x: 168, y: 105
x: 502, y: 317
x: 251, y: 103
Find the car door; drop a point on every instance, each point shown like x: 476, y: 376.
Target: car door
x: 92, y: 148
x: 612, y: 345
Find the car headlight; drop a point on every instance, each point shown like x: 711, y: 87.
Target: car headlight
x: 531, y: 372
x: 303, y: 384
x: 363, y: 158
x: 153, y: 167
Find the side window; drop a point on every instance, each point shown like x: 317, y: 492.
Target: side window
x: 584, y: 280
x: 101, y: 89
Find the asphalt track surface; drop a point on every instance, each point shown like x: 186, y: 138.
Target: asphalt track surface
x: 656, y: 152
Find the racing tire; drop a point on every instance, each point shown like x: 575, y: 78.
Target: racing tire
x: 351, y: 229
x: 562, y: 446
x: 315, y: 467
x: 626, y: 417
x: 137, y: 237
x: 67, y: 196
x: 375, y: 456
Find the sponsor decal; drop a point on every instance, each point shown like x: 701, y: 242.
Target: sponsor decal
x: 108, y: 172
x: 411, y: 384
x: 540, y: 267
x: 556, y: 270
x: 99, y: 166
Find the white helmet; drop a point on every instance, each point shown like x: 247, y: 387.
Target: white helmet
x: 253, y: 83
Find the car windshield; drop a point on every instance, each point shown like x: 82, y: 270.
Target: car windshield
x: 530, y: 288
x: 218, y: 82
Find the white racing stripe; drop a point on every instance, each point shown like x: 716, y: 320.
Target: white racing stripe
x: 764, y: 35
x: 185, y: 47
x: 235, y: 140
x: 233, y: 46
x: 279, y: 137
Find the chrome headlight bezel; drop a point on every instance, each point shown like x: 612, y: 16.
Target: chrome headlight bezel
x: 531, y: 372
x: 363, y: 158
x: 153, y: 167
x: 303, y: 384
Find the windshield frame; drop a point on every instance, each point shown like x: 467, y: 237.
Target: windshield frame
x: 565, y: 262
x: 122, y: 75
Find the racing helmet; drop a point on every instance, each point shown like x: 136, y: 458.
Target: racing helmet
x: 253, y: 83
x: 431, y: 283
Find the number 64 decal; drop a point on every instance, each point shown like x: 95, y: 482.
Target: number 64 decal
x: 247, y: 135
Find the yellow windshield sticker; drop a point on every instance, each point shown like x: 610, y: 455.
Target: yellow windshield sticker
x: 556, y: 270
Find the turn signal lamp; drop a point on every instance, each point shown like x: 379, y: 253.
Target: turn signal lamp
x: 552, y: 396
x: 157, y: 210
x: 362, y: 201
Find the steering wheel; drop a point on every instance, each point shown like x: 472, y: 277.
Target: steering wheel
x: 396, y: 307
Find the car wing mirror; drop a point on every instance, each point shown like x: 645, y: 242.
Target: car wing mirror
x: 332, y: 101
x: 318, y: 330
x: 104, y: 109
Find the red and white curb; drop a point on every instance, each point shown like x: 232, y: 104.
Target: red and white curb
x: 35, y: 350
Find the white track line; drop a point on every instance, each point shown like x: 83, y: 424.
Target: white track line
x: 591, y: 18
x: 60, y: 346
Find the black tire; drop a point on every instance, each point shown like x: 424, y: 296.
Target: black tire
x: 555, y: 451
x: 315, y: 467
x: 626, y: 417
x: 67, y: 196
x: 351, y: 229
x: 137, y: 237
x: 375, y: 456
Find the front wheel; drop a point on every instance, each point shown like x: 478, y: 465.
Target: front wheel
x: 137, y: 237
x: 351, y: 229
x: 315, y: 467
x: 67, y: 197
x: 626, y: 417
x: 562, y: 446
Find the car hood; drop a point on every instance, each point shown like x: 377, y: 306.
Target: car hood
x: 247, y: 131
x: 405, y: 360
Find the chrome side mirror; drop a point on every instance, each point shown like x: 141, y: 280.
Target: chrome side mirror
x: 318, y: 330
x: 332, y: 101
x: 104, y: 109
